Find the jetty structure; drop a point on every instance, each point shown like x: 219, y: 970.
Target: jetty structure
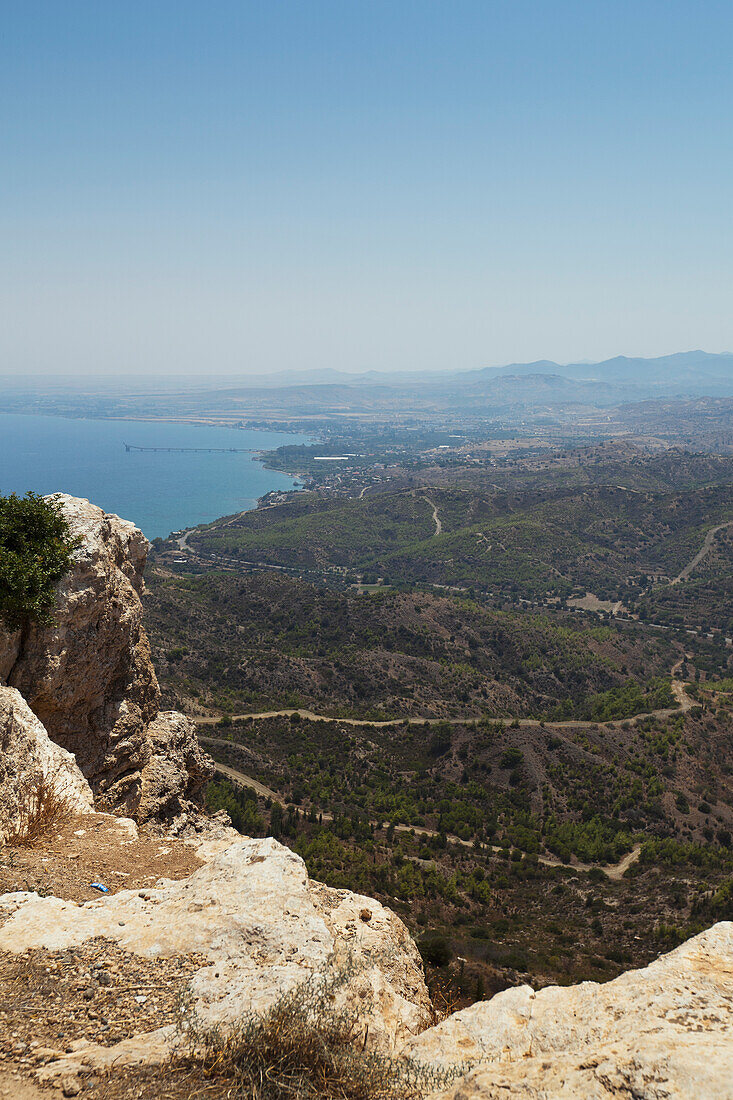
x: 187, y: 450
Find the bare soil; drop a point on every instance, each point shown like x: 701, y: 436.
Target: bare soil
x: 50, y: 1000
x: 65, y: 862
x: 96, y: 992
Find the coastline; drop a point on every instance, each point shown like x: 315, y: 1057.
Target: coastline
x: 161, y: 492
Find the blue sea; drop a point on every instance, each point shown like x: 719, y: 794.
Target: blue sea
x: 160, y: 492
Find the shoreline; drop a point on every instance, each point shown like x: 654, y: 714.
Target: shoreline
x: 161, y: 493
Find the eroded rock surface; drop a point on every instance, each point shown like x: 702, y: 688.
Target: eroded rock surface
x: 29, y: 759
x: 90, y: 679
x: 661, y: 1033
x: 174, y: 778
x: 261, y: 925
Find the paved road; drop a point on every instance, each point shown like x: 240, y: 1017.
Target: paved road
x: 614, y: 871
x: 182, y: 541
x: 702, y: 552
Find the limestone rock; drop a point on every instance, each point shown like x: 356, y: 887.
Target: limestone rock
x: 261, y: 925
x: 89, y: 676
x: 174, y: 778
x: 9, y: 646
x: 661, y: 1033
x: 28, y: 757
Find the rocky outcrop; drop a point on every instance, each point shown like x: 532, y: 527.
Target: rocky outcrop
x: 32, y: 766
x: 254, y: 926
x: 260, y: 926
x: 89, y: 677
x: 173, y: 780
x: 661, y: 1033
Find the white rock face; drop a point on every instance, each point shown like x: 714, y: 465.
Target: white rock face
x: 28, y: 756
x: 90, y: 679
x: 263, y: 928
x: 661, y: 1033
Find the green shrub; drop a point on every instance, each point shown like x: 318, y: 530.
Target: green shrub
x: 511, y: 758
x: 35, y: 553
x: 239, y: 802
x: 435, y: 950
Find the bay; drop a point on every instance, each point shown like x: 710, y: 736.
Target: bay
x: 159, y: 491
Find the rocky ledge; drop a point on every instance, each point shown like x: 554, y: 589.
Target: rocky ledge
x: 256, y: 925
x: 249, y: 925
x: 661, y: 1033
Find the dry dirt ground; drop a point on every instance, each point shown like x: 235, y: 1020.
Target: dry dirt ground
x: 49, y: 1000
x: 93, y: 849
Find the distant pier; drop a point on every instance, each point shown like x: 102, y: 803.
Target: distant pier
x: 195, y: 450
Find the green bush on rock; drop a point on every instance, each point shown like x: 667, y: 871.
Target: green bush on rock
x: 35, y: 553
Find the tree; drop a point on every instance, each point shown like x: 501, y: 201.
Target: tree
x: 36, y: 548
x: 276, y: 820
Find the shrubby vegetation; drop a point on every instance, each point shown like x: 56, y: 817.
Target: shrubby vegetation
x: 547, y: 541
x: 265, y: 640
x: 500, y: 806
x: 305, y: 1046
x: 35, y: 553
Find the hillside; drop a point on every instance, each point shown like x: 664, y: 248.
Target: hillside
x: 612, y: 540
x: 264, y: 640
x: 463, y: 828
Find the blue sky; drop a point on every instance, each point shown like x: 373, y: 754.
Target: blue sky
x: 232, y: 188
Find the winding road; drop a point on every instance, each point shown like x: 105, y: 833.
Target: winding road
x: 436, y: 517
x: 677, y: 686
x: 615, y: 871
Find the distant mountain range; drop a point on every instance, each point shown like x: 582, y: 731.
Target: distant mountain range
x: 686, y: 368
x: 613, y: 381
x: 487, y: 391
x: 688, y: 373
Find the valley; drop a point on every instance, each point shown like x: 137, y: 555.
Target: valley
x: 479, y: 695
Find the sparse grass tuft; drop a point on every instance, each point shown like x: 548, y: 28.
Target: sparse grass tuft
x: 304, y: 1047
x: 44, y: 805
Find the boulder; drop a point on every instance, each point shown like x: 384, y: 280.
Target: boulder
x: 175, y: 776
x: 659, y: 1033
x: 262, y: 928
x: 33, y: 767
x: 89, y: 676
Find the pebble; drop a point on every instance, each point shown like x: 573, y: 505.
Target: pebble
x: 70, y: 1085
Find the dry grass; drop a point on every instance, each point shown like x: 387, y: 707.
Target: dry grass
x: 304, y: 1047
x: 44, y: 805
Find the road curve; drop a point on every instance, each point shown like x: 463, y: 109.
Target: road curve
x: 182, y: 540
x: 436, y: 517
x: 615, y: 871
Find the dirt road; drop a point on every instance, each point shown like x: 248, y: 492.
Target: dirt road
x: 702, y: 553
x: 436, y: 517
x: 614, y: 871
x: 677, y: 686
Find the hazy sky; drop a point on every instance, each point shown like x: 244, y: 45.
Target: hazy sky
x: 288, y: 184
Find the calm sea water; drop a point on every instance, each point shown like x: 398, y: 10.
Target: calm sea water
x: 159, y: 492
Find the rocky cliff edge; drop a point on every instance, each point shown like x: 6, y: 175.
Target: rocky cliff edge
x: 88, y: 678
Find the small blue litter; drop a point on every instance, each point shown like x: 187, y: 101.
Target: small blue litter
x: 99, y: 886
